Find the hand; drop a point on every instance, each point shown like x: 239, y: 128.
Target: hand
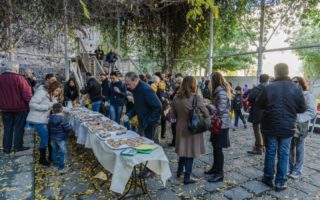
x: 130, y: 98
x: 116, y: 89
x: 124, y: 119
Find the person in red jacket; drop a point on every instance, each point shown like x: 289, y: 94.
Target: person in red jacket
x: 15, y: 95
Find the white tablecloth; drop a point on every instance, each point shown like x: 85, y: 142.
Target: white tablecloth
x: 121, y: 167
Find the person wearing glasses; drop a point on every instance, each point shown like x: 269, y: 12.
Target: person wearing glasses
x: 296, y: 158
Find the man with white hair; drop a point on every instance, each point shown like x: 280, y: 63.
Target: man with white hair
x: 14, y: 102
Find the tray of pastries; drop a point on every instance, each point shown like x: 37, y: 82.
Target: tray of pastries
x: 121, y: 143
x: 103, y: 135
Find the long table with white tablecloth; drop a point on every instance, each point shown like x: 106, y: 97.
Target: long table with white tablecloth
x: 120, y: 166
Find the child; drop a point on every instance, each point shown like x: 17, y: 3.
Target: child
x: 58, y: 128
x: 237, y: 106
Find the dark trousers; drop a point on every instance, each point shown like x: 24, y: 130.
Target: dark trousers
x: 187, y: 164
x: 258, y: 136
x: 13, y: 123
x: 163, y: 125
x: 150, y: 132
x: 218, y: 160
x: 174, y: 131
x: 238, y: 114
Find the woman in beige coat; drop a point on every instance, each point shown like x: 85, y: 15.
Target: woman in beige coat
x: 188, y: 146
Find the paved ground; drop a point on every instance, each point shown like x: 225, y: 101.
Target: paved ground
x: 17, y: 172
x: 242, y: 181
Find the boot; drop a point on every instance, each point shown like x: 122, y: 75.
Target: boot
x: 50, y: 153
x: 213, y: 170
x: 43, y: 160
x: 256, y: 151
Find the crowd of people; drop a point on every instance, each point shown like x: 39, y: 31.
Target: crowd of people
x: 279, y: 112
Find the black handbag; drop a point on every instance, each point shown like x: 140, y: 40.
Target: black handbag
x: 196, y: 123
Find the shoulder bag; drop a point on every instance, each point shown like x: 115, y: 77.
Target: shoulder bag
x: 196, y: 123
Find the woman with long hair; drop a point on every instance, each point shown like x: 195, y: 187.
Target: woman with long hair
x: 296, y: 157
x: 188, y: 146
x: 40, y: 107
x: 71, y: 92
x: 221, y: 106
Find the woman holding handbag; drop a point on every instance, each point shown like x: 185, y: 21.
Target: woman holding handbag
x: 188, y: 145
x: 220, y: 108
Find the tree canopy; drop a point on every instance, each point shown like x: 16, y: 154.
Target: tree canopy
x: 168, y: 34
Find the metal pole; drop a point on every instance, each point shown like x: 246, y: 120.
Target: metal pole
x: 11, y: 51
x: 118, y: 30
x: 65, y: 21
x: 211, y: 44
x: 261, y: 48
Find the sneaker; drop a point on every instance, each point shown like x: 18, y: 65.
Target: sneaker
x: 21, y: 149
x: 294, y: 175
x: 62, y: 171
x: 245, y: 126
x: 279, y: 188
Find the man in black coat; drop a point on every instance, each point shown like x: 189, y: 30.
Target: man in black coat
x: 30, y: 79
x: 256, y: 114
x: 280, y: 101
x: 111, y: 59
x: 93, y: 89
x: 147, y: 105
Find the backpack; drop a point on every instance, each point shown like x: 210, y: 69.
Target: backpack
x: 246, y: 104
x: 206, y: 93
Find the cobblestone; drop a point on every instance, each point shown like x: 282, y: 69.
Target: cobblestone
x: 16, y: 171
x: 242, y: 175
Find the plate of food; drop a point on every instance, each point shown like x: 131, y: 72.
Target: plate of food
x: 121, y: 143
x: 103, y: 136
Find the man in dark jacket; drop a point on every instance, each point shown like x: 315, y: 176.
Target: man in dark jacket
x: 280, y: 101
x: 118, y: 93
x: 93, y: 89
x: 105, y: 86
x: 256, y: 114
x: 28, y: 76
x: 147, y: 105
x: 111, y: 59
x: 15, y: 96
x: 99, y: 54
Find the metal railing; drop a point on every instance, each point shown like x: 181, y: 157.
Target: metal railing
x: 124, y: 65
x: 76, y: 72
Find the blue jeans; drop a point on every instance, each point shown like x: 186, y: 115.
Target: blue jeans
x: 13, y: 123
x: 59, y: 149
x: 281, y: 146
x: 42, y: 129
x: 115, y: 113
x: 96, y: 106
x: 296, y: 155
x: 238, y: 114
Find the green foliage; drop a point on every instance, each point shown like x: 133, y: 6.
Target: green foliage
x: 308, y: 34
x: 85, y: 9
